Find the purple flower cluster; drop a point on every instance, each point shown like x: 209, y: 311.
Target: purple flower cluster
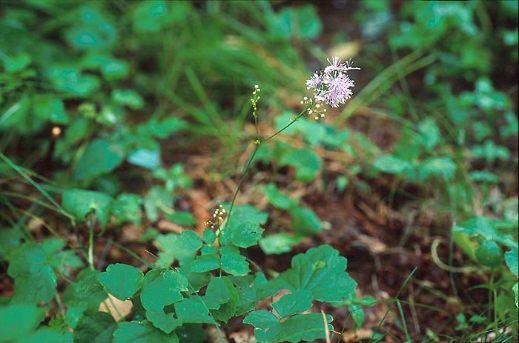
x: 332, y: 85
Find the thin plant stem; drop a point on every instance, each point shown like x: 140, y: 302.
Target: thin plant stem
x: 251, y: 158
x: 91, y: 242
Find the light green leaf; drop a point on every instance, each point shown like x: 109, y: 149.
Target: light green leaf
x: 127, y: 207
x: 79, y: 203
x: 182, y: 247
x: 392, y: 164
x: 205, y: 263
x: 242, y: 235
x: 233, y: 262
x: 437, y: 166
x: 156, y: 200
x: 146, y: 158
x: 98, y: 158
x: 128, y: 98
x: 322, y: 271
x: 279, y: 243
x: 430, y: 133
x: 121, y: 280
x: 17, y: 62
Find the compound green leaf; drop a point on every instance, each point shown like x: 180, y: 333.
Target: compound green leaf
x: 34, y: 278
x: 99, y: 157
x: 222, y: 296
x: 323, y: 272
x: 182, y: 247
x: 233, y: 262
x: 143, y: 332
x: 293, y: 303
x: 121, y: 280
x: 242, y: 228
x: 205, y: 263
x: 160, y: 289
x: 251, y: 289
x: 191, y: 311
x: 242, y: 235
x: 80, y: 202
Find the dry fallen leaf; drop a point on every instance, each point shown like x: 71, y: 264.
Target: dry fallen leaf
x: 117, y: 308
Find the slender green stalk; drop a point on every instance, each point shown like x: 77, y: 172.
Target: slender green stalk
x: 90, y: 222
x: 258, y: 142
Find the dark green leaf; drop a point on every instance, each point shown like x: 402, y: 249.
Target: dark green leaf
x: 34, y: 278
x: 278, y: 199
x: 293, y: 303
x: 192, y: 311
x: 92, y: 325
x: 144, y: 332
x: 17, y: 321
x: 305, y: 161
x: 98, y: 158
x: 305, y: 222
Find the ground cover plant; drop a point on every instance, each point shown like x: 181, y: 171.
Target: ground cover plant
x: 146, y: 195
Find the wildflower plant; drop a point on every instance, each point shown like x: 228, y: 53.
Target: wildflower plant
x: 196, y: 280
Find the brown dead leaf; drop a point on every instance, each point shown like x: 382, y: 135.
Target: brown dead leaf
x: 117, y: 308
x: 345, y: 51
